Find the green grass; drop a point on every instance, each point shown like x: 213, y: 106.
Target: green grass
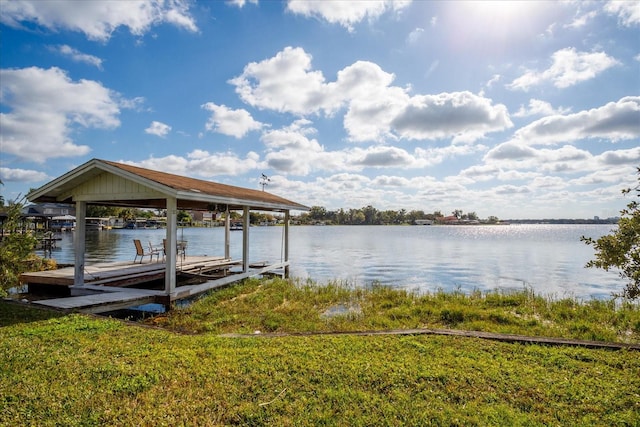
x: 77, y: 370
x: 292, y: 306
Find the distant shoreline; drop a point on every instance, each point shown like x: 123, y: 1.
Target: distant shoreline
x: 611, y: 221
x: 435, y: 223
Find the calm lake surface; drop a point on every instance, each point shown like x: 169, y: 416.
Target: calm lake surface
x: 548, y: 258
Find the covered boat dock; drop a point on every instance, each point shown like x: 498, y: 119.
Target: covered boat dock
x: 108, y: 183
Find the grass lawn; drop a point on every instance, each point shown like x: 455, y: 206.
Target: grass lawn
x: 82, y: 370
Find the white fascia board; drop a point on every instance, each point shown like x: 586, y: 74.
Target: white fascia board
x: 201, y: 197
x: 62, y: 180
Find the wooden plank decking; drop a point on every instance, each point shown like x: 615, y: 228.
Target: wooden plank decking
x: 102, y: 301
x: 111, y: 286
x: 120, y: 273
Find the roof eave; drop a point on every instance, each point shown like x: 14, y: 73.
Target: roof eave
x: 40, y: 194
x: 61, y: 189
x: 207, y: 198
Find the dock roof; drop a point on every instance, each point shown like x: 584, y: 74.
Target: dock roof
x: 110, y: 183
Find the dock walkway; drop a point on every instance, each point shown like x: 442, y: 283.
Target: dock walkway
x: 111, y: 285
x: 124, y: 273
x: 101, y: 302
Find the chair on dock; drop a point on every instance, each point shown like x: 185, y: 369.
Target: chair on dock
x: 158, y: 249
x: 140, y: 252
x: 181, y: 248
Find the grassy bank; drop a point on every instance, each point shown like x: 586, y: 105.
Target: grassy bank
x: 292, y: 306
x: 80, y: 370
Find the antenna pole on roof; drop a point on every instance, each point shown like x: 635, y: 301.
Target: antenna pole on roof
x: 264, y: 181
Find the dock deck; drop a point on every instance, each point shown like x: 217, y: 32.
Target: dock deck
x: 114, y: 285
x: 100, y: 302
x: 124, y: 273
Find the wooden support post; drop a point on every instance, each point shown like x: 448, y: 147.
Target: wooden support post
x: 286, y: 243
x: 79, y: 243
x: 165, y: 301
x: 245, y: 239
x: 171, y: 246
x: 227, y: 234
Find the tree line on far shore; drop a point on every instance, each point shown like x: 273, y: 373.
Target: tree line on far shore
x: 369, y: 215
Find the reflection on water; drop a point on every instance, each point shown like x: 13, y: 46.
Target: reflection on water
x: 548, y: 258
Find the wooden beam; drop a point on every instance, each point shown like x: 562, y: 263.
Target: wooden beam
x: 171, y: 245
x: 286, y: 243
x: 227, y: 234
x: 246, y: 223
x: 79, y: 244
x: 101, y: 197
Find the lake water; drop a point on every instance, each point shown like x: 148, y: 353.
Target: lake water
x: 548, y: 258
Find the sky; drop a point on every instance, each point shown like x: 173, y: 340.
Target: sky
x: 506, y: 109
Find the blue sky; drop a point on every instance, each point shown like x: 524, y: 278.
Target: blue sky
x: 517, y: 110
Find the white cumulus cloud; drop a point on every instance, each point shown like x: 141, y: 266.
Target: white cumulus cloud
x: 582, y: 20
x: 98, y: 19
x: 376, y: 110
x: 240, y: 3
x: 569, y: 68
x: 22, y: 175
x: 78, y: 56
x: 614, y: 121
x: 463, y: 115
x: 201, y: 163
x: 45, y: 106
x: 627, y: 11
x: 224, y: 120
x: 158, y: 128
x: 346, y: 13
x: 538, y: 107
x: 546, y: 167
x: 283, y: 83
x: 293, y: 150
